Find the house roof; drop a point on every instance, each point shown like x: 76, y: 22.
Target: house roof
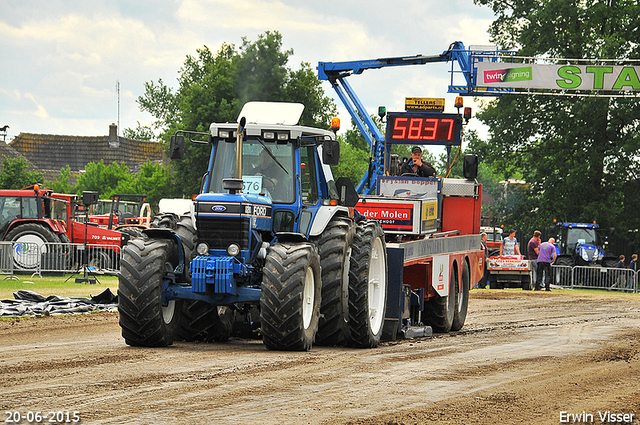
x: 54, y: 152
x: 10, y: 152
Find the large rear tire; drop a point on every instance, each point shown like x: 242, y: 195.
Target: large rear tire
x: 290, y: 297
x: 143, y: 318
x: 462, y: 299
x: 441, y: 310
x: 165, y: 220
x: 334, y: 247
x: 368, y: 278
x: 206, y: 322
x: 26, y: 238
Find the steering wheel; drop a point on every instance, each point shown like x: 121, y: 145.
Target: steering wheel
x: 268, y: 183
x: 410, y: 175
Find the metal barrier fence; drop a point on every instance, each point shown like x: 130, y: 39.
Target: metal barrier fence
x: 595, y: 278
x: 38, y: 258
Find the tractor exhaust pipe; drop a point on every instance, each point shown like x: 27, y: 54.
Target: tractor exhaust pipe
x: 239, y: 137
x: 235, y: 184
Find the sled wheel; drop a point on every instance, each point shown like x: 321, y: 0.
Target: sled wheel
x: 441, y: 310
x: 462, y: 300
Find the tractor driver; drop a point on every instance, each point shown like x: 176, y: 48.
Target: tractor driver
x: 417, y: 166
x: 271, y: 172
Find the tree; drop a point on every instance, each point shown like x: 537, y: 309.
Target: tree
x: 577, y: 154
x: 141, y: 132
x: 15, y: 174
x: 153, y: 180
x: 353, y: 163
x: 214, y: 87
x: 62, y: 183
x: 104, y: 179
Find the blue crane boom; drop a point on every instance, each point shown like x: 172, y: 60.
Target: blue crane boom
x: 337, y: 72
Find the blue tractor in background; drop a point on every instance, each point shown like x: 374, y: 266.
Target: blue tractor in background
x: 579, y: 244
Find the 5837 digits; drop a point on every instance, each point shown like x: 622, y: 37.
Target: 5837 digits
x: 51, y: 417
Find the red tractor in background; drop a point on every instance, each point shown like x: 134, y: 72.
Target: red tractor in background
x: 35, y: 217
x: 127, y: 213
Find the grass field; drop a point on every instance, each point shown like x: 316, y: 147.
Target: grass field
x: 67, y: 287
x: 56, y: 285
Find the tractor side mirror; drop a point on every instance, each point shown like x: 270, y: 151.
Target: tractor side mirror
x: 176, y: 148
x: 331, y: 152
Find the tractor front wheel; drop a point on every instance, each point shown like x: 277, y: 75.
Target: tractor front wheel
x: 144, y: 319
x: 206, y: 322
x: 290, y: 297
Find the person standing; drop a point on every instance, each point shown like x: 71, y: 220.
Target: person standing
x: 532, y: 253
x: 482, y: 284
x: 633, y: 265
x: 546, y: 256
x: 509, y: 245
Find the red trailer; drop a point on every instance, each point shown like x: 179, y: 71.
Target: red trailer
x: 432, y: 228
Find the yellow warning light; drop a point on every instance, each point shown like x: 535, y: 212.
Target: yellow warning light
x: 459, y: 103
x: 335, y: 124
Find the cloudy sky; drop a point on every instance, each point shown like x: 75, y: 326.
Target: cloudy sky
x: 62, y: 58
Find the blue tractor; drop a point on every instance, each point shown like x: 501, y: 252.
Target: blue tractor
x: 270, y: 232
x: 578, y: 244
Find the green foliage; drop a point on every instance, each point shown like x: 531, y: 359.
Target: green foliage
x: 15, y: 174
x: 578, y: 155
x: 104, y: 179
x: 304, y: 87
x: 214, y: 87
x: 261, y: 68
x: 159, y: 100
x: 353, y: 162
x: 62, y: 183
x: 153, y: 180
x: 141, y: 132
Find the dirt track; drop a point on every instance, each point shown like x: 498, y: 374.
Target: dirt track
x: 522, y: 357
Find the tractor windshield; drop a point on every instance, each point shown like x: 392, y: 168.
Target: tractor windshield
x: 266, y: 169
x: 580, y: 235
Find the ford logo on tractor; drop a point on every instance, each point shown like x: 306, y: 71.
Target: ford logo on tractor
x: 219, y: 208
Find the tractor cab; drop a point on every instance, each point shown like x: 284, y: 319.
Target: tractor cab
x: 578, y: 244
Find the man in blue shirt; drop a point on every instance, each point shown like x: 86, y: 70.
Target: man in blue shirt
x: 546, y: 256
x: 510, y: 245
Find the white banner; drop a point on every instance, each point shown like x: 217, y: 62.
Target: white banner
x: 560, y: 77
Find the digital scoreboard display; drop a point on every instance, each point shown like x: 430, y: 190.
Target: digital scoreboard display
x: 423, y: 128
